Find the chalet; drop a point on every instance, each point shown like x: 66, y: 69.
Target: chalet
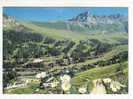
x: 65, y: 62
x: 65, y: 70
x: 82, y: 59
x: 46, y: 68
x: 52, y: 63
x: 38, y: 60
x: 70, y: 59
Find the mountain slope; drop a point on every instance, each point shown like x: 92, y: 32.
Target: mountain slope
x: 112, y: 28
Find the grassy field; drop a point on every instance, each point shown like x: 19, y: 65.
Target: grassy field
x: 115, y: 50
x: 47, y: 29
x: 100, y: 72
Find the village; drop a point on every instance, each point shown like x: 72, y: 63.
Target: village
x: 64, y: 64
x: 86, y: 53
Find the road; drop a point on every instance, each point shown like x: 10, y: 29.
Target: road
x: 98, y: 87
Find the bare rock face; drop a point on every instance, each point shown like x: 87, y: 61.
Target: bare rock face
x: 87, y: 17
x: 82, y: 17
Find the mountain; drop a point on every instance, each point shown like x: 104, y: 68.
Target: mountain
x: 103, y: 23
x: 86, y: 22
x: 113, y: 28
x: 87, y: 17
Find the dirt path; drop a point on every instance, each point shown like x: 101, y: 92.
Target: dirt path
x: 98, y: 87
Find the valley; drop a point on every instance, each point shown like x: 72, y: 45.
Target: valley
x: 86, y: 47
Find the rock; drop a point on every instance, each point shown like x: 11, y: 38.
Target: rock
x: 87, y: 17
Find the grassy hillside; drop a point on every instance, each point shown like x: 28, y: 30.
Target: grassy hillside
x: 80, y: 79
x: 54, y: 33
x: 80, y: 27
x: 115, y: 50
x: 99, y: 72
x: 60, y: 30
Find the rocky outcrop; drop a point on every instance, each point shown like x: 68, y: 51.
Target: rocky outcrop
x: 87, y: 17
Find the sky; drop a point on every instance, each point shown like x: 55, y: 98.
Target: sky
x: 51, y: 13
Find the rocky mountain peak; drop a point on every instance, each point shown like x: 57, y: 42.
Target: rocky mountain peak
x: 87, y: 17
x: 82, y: 17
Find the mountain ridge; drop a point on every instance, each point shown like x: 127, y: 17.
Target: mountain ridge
x: 97, y: 19
x: 71, y: 29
